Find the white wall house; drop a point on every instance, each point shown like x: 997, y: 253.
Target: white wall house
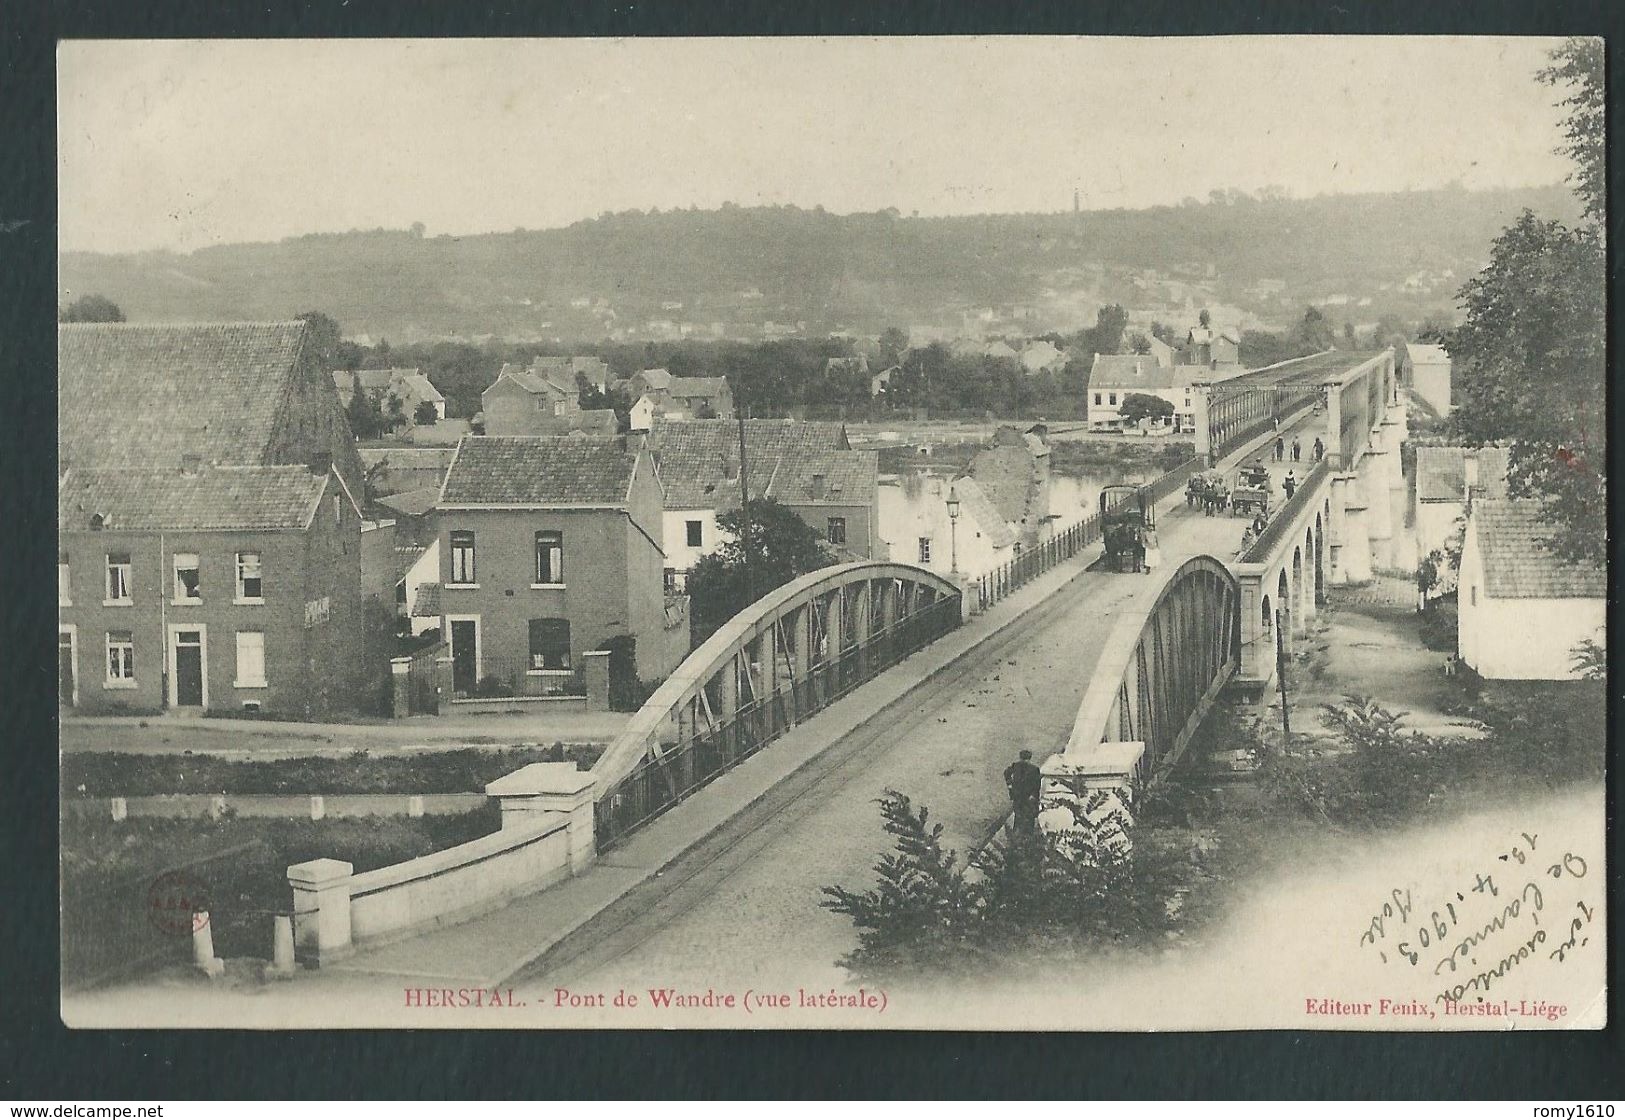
x: 425, y: 569
x: 643, y: 414
x: 1521, y: 610
x: 915, y: 525
x: 1114, y: 376
x: 1430, y: 374
x: 689, y: 534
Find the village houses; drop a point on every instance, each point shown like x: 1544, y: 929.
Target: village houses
x: 1448, y: 480
x: 543, y: 399
x: 408, y: 386
x: 657, y: 392
x: 209, y: 552
x: 1427, y: 372
x: 807, y: 466
x: 1521, y: 609
x: 550, y: 551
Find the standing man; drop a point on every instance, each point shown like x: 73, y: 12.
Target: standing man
x: 1023, y: 780
x: 1319, y: 449
x: 1297, y: 450
x: 1280, y: 449
x: 1289, y: 485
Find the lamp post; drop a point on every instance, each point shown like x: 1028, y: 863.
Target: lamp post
x: 953, y: 532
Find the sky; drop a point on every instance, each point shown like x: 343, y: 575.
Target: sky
x: 183, y: 144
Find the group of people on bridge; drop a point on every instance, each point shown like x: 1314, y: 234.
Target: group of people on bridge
x: 1318, y: 450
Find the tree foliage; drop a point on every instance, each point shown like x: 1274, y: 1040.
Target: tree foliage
x: 1577, y: 67
x: 782, y: 547
x: 1139, y: 406
x: 91, y: 308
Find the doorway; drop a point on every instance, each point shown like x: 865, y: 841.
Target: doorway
x: 188, y: 681
x: 465, y: 654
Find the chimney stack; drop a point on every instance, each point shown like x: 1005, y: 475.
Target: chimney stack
x: 817, y: 487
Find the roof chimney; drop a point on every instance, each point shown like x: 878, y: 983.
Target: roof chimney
x: 816, y: 489
x: 728, y: 470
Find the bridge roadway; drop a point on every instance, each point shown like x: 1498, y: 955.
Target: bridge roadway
x: 742, y: 907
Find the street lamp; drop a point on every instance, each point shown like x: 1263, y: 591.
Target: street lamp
x: 953, y: 533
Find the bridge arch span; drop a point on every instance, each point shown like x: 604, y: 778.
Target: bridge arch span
x: 1161, y: 668
x: 788, y: 655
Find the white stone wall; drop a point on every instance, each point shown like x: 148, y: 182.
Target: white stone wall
x: 1520, y: 639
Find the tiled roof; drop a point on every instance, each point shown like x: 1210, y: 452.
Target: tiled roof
x: 408, y: 458
x: 696, y: 457
x: 139, y: 395
x: 1137, y: 373
x: 407, y: 382
x: 1517, y: 562
x: 540, y: 471
x: 1441, y: 473
x: 977, y: 506
x: 209, y: 498
x: 846, y: 478
x: 554, y: 383
x: 406, y: 555
x: 687, y: 388
x: 411, y: 503
x: 655, y: 378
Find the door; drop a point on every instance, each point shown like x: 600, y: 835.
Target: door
x: 67, y: 690
x: 188, y: 669
x: 465, y: 636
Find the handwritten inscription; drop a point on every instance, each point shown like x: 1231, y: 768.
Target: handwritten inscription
x: 1482, y: 933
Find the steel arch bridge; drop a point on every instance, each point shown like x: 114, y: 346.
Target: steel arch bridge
x: 1162, y: 668
x: 790, y: 654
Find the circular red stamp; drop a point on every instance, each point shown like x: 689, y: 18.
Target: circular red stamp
x: 178, y: 903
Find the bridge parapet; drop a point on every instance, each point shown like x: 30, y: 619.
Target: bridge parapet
x: 790, y: 654
x: 1156, y: 678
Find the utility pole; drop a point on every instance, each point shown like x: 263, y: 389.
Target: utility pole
x: 1280, y: 673
x: 744, y: 511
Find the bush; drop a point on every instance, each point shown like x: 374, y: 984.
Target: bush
x: 492, y: 686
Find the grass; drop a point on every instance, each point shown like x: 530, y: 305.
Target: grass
x: 452, y: 771
x: 239, y: 866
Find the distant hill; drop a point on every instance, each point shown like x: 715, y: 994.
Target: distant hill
x: 760, y: 272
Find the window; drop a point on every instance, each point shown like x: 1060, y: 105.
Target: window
x: 1113, y: 398
x: 250, y: 586
x: 120, y: 657
x: 696, y: 534
x: 559, y: 408
x: 462, y: 557
x: 250, y: 659
x: 1472, y: 595
x: 338, y: 511
x: 550, y: 644
x: 118, y: 577
x: 925, y: 550
x: 188, y: 588
x: 549, y: 556
x: 64, y: 584
x: 1097, y: 398
x: 836, y: 530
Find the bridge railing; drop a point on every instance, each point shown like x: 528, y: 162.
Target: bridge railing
x: 1278, y: 526
x: 674, y: 772
x: 1015, y: 573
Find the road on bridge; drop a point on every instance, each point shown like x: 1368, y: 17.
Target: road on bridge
x: 742, y: 908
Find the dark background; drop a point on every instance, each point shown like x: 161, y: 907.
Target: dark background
x: 41, y: 1060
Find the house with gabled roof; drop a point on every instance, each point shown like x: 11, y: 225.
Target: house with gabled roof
x: 1448, y: 479
x: 807, y: 466
x: 209, y: 549
x: 1113, y: 377
x: 409, y: 386
x: 543, y: 399
x: 550, y: 549
x: 1521, y: 608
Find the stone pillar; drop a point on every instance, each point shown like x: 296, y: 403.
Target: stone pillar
x: 1373, y: 482
x: 400, y: 686
x: 1251, y: 604
x: 551, y: 788
x: 1404, y: 542
x: 1337, y: 529
x: 1071, y: 782
x: 1356, y: 557
x: 203, y: 947
x: 321, y: 909
x: 282, y: 960
x: 445, y: 678
x: 1199, y: 402
x: 969, y: 597
x: 595, y: 671
x: 1334, y: 426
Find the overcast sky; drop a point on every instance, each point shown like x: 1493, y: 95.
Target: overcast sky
x: 185, y: 144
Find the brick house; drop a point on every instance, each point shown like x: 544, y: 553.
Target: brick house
x: 541, y: 400
x: 196, y: 464
x: 210, y: 587
x: 807, y: 466
x: 550, y: 547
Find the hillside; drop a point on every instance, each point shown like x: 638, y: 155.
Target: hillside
x: 763, y: 272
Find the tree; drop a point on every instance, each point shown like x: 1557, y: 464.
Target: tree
x: 425, y: 413
x: 782, y: 547
x: 1139, y: 343
x: 323, y: 339
x: 394, y: 412
x: 1578, y: 66
x: 1531, y: 356
x: 1138, y: 406
x: 1204, y: 318
x: 91, y: 309
x: 893, y: 345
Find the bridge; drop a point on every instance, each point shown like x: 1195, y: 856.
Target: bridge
x: 929, y: 686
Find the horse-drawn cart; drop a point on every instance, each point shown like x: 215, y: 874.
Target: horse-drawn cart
x: 1252, y: 493
x: 1127, y: 518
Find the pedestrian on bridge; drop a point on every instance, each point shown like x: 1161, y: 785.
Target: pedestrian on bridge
x: 1280, y: 449
x: 1289, y: 484
x: 1297, y: 450
x: 1319, y: 449
x: 1024, y: 780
